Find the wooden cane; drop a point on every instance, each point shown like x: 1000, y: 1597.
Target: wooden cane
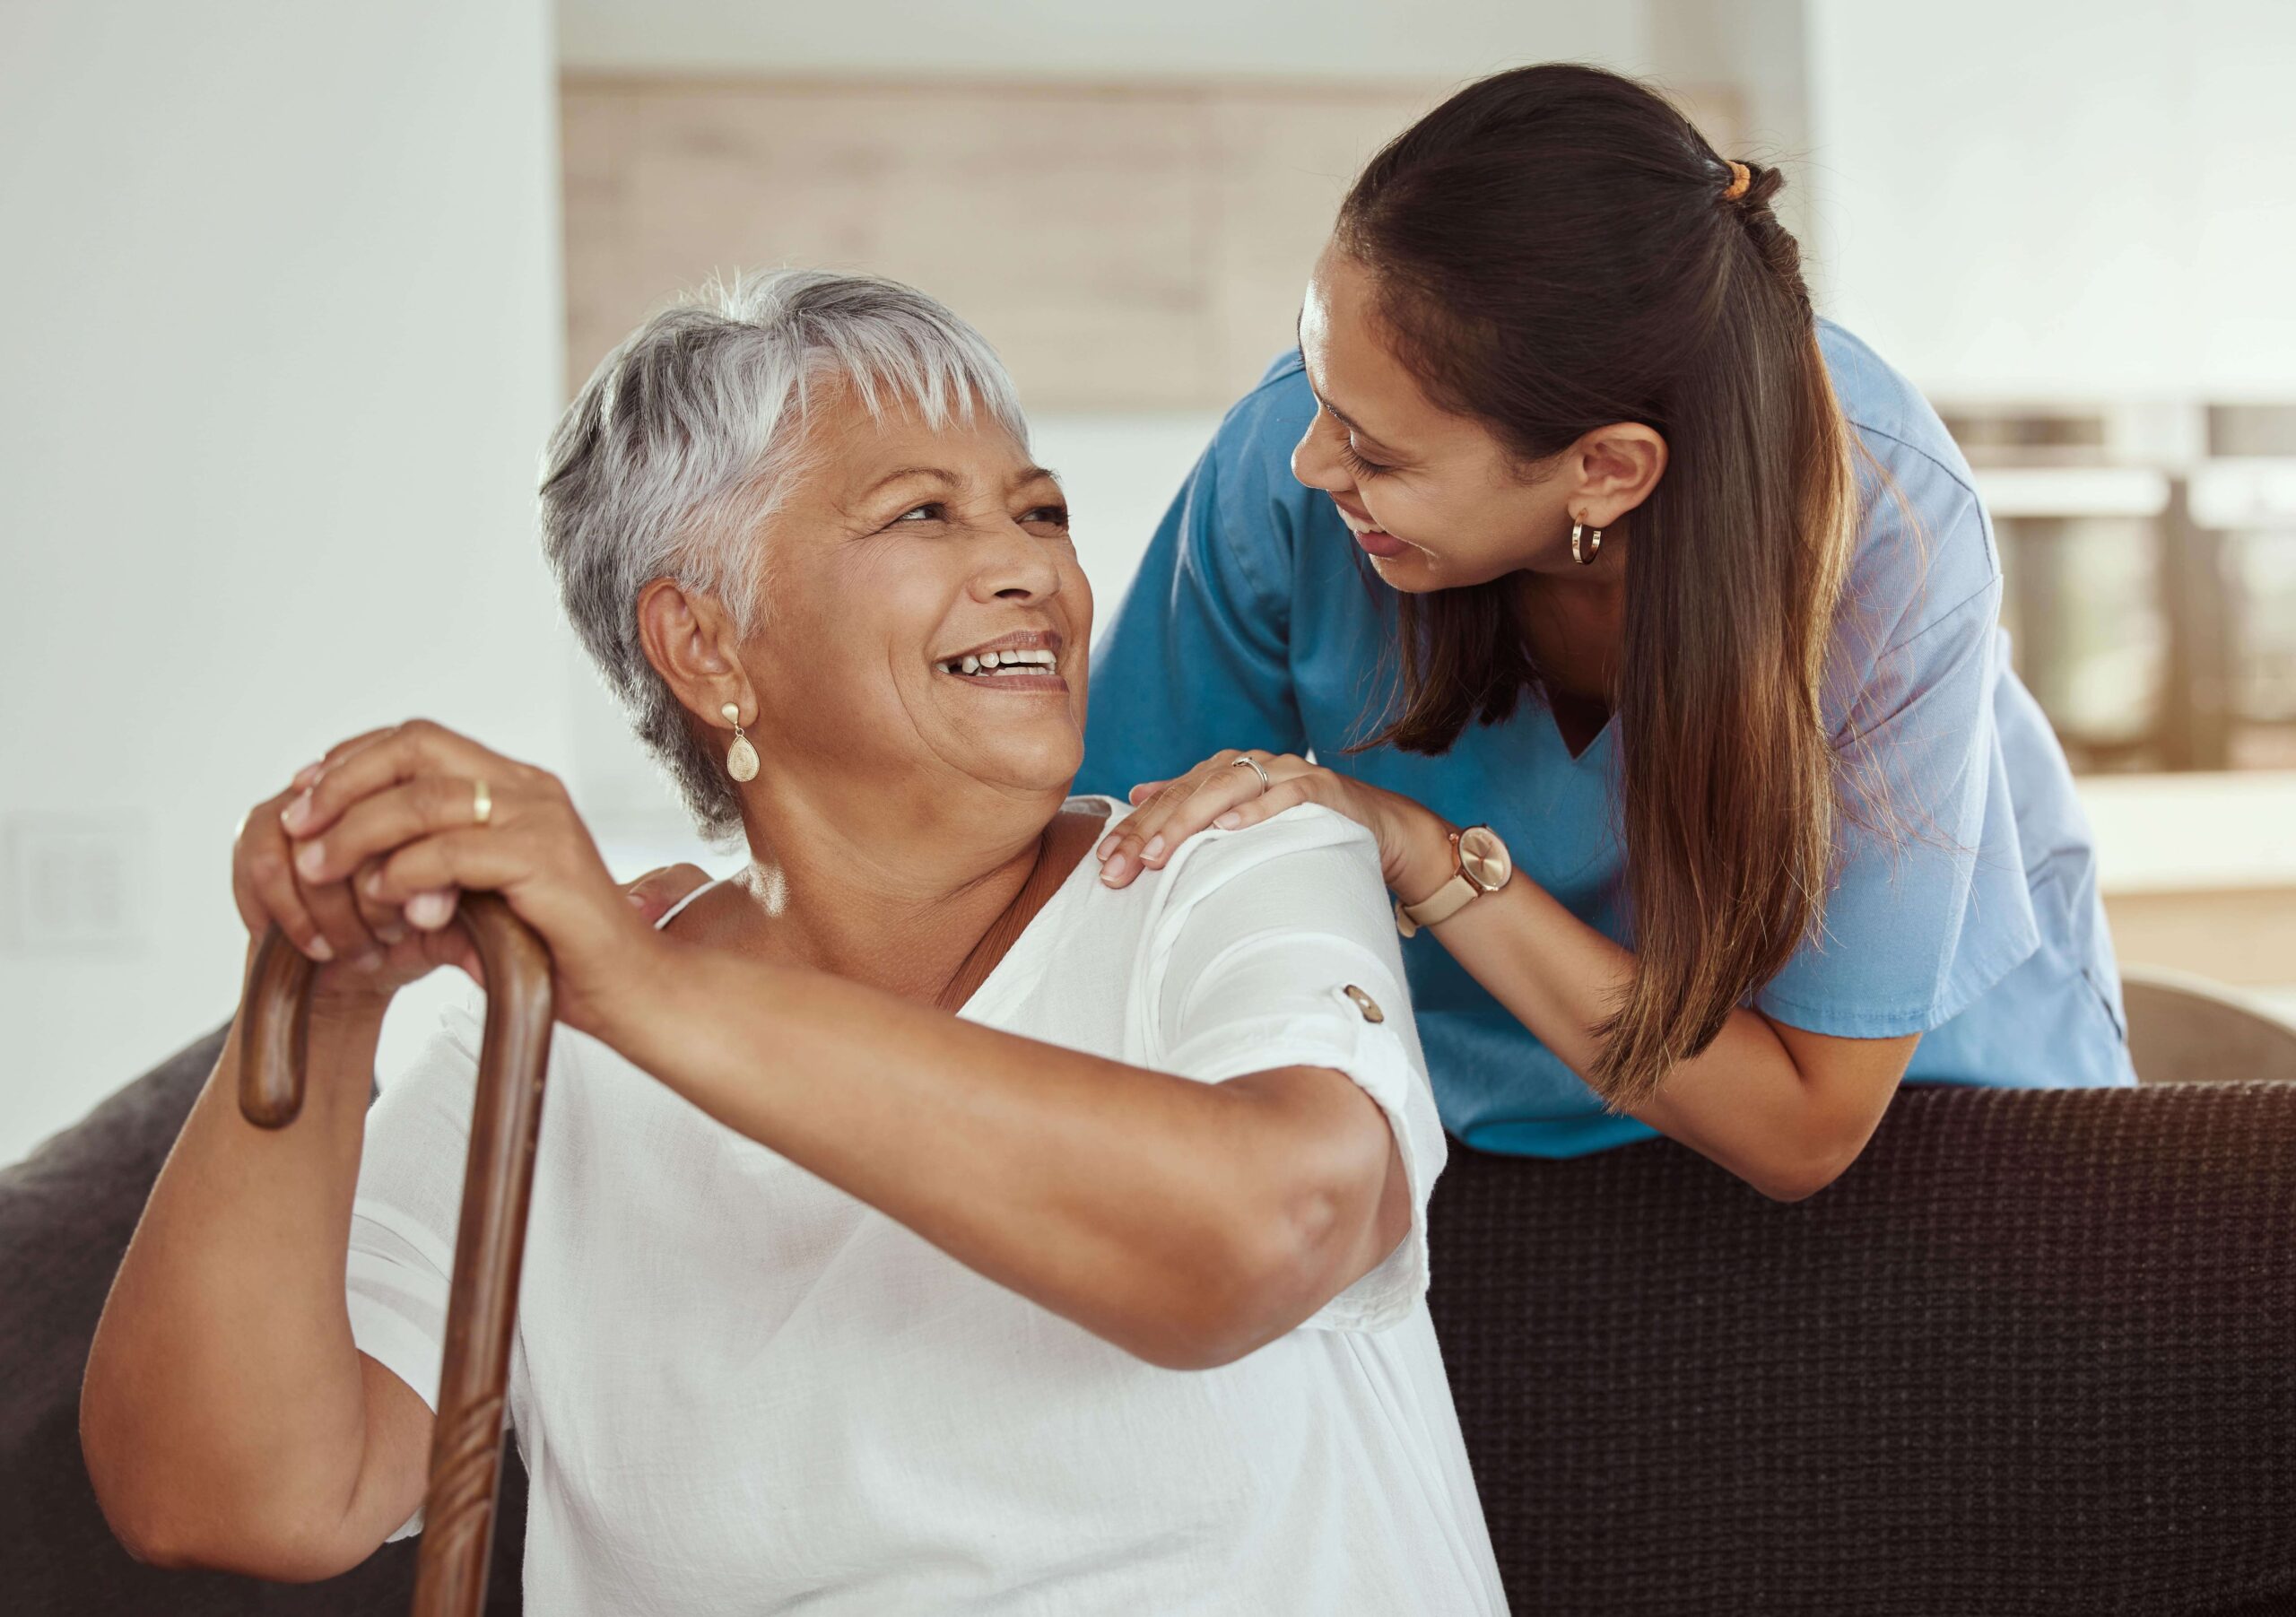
x: 473, y: 1379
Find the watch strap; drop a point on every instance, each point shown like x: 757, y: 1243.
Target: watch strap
x: 1440, y: 905
x: 1469, y: 881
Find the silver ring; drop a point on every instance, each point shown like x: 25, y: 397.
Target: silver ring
x: 1248, y: 760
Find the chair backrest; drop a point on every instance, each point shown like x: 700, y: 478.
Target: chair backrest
x: 2032, y: 1354
x: 65, y: 1215
x: 2036, y: 1353
x: 2186, y: 1030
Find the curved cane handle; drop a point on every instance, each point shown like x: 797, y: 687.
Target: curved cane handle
x: 473, y: 1380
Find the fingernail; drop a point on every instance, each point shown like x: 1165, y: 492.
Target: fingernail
x: 637, y: 900
x: 391, y: 932
x: 1230, y: 820
x: 430, y: 910
x: 1115, y: 871
x: 293, y: 815
x: 370, y: 961
x: 1155, y: 846
x: 319, y: 950
x: 307, y: 774
x: 1107, y: 843
x: 311, y: 859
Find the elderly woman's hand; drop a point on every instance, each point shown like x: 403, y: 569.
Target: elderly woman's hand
x: 364, y: 950
x: 1233, y: 790
x: 404, y: 818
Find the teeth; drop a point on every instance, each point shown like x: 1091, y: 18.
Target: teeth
x: 1002, y: 662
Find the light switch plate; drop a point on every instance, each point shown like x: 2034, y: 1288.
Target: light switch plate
x: 77, y: 882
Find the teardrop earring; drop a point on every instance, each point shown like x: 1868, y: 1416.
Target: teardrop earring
x: 741, y: 758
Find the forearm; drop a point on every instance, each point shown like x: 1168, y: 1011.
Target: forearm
x: 1744, y: 1102
x: 223, y: 1414
x: 1184, y: 1222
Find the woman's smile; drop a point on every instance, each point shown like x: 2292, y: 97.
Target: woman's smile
x: 1378, y: 542
x: 1021, y: 663
x: 1374, y: 540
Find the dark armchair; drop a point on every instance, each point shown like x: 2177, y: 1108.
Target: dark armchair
x: 2035, y: 1355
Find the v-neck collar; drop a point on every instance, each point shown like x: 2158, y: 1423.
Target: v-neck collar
x: 991, y: 991
x: 1595, y: 743
x: 994, y: 995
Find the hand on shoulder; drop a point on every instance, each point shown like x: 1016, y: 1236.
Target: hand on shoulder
x: 1231, y: 790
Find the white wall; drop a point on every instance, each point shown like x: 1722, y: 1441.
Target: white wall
x: 280, y: 308
x: 1029, y: 38
x: 2061, y: 198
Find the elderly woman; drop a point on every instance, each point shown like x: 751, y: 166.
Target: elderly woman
x: 919, y: 1224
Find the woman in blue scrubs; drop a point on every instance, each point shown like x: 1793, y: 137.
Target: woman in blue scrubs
x: 1650, y: 624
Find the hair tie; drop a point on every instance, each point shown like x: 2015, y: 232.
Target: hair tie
x: 1741, y: 177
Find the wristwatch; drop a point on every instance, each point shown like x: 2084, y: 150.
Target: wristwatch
x: 1481, y: 863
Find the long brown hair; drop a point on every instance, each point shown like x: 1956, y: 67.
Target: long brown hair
x: 1554, y: 252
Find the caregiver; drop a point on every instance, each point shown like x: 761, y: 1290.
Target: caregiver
x: 1684, y: 616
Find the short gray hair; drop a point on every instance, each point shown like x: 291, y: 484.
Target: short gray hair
x: 688, y: 435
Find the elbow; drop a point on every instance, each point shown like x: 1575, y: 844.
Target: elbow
x: 148, y: 1541
x: 1210, y: 1314
x: 1799, y: 1175
x: 1787, y: 1187
x: 137, y: 1517
x: 163, y: 1519
x: 132, y: 1513
x: 170, y: 1542
x: 1244, y: 1285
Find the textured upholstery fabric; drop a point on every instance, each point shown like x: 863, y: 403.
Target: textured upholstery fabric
x: 2036, y: 1354
x: 65, y: 1215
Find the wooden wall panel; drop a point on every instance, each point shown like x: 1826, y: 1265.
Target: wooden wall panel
x: 1126, y: 246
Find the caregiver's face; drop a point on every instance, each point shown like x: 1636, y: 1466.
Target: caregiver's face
x: 1433, y: 497
x: 926, y: 622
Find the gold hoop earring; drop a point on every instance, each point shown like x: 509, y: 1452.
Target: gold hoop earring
x: 1594, y: 543
x: 741, y: 758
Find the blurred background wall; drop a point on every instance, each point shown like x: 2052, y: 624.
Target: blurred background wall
x: 292, y: 294
x: 280, y: 306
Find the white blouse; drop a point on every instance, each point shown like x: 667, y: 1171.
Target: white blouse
x: 738, y: 1389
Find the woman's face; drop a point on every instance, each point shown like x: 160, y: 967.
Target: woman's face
x: 903, y: 555
x: 1434, y: 498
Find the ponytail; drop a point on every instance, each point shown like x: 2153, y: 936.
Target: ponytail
x: 1557, y: 248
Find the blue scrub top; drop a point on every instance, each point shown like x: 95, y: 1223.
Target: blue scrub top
x: 1978, y: 924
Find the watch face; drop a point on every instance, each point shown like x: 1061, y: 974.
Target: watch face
x: 1484, y: 858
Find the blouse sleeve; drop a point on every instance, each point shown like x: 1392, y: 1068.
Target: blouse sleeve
x: 1275, y: 948
x: 1929, y: 906
x: 408, y: 1203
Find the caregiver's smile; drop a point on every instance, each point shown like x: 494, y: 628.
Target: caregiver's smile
x: 1432, y: 496
x: 1374, y: 540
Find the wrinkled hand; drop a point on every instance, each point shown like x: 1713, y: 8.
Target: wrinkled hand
x: 364, y: 950
x: 385, y: 833
x: 1415, y: 843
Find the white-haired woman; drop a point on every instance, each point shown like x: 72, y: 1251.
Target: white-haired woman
x: 1104, y: 1293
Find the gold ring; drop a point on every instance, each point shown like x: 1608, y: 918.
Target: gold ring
x: 1248, y: 761
x: 482, y: 803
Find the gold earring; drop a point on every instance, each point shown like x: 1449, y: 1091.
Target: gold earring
x: 741, y: 758
x: 1594, y: 547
